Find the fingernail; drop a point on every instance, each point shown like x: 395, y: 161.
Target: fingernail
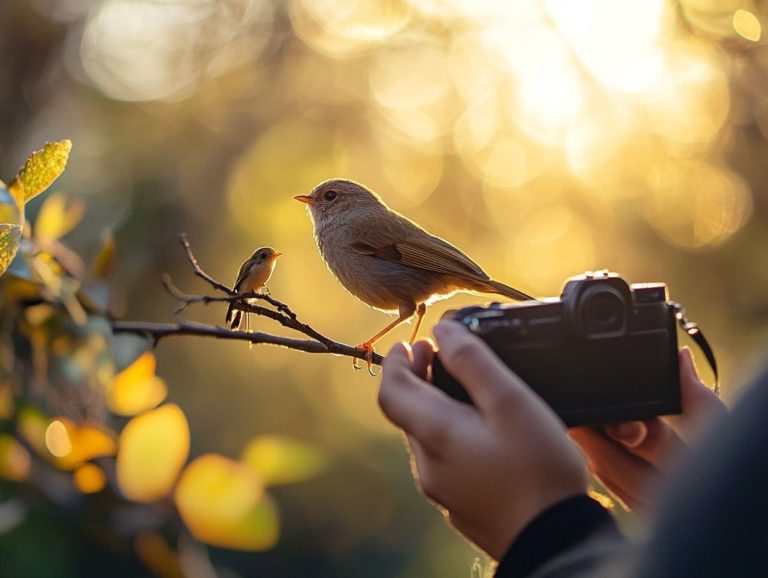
x: 629, y: 433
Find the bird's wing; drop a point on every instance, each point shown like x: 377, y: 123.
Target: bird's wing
x: 242, y: 274
x: 421, y: 251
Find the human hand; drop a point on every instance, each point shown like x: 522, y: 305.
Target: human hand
x: 495, y: 466
x: 631, y: 458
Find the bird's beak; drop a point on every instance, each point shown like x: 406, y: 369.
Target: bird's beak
x: 306, y: 199
x: 276, y: 255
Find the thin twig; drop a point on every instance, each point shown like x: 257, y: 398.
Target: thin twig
x: 158, y: 331
x: 282, y: 314
x: 197, y: 270
x: 221, y: 287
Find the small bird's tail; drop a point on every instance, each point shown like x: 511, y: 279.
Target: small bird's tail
x: 507, y: 291
x: 233, y: 317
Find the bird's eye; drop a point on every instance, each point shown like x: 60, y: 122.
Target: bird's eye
x: 330, y: 195
x: 263, y: 255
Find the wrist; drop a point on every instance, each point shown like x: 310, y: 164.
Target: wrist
x: 554, y: 530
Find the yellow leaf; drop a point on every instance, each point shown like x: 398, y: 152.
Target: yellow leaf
x: 136, y: 388
x: 280, y: 460
x: 41, y: 169
x: 151, y: 452
x: 223, y: 504
x: 90, y: 479
x: 11, y: 222
x: 14, y: 459
x: 56, y: 217
x: 10, y: 238
x: 70, y: 444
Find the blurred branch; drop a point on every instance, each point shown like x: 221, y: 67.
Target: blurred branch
x: 282, y: 314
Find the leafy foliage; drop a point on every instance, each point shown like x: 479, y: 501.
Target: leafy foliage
x: 87, y: 434
x: 41, y: 169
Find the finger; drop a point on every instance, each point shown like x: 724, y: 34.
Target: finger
x: 700, y: 404
x: 412, y: 404
x: 490, y: 383
x: 626, y: 475
x: 423, y: 354
x: 652, y: 439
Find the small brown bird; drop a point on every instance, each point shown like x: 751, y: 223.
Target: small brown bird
x: 252, y: 278
x: 387, y: 260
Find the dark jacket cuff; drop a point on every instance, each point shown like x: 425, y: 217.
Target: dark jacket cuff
x: 556, y: 530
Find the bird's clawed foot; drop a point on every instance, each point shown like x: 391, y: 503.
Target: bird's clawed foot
x: 368, y: 348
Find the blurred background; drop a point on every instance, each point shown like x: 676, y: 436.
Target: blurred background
x: 544, y: 137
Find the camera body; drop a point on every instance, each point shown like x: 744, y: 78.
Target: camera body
x: 602, y: 352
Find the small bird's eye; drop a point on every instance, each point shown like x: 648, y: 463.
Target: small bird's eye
x: 330, y: 195
x: 263, y: 255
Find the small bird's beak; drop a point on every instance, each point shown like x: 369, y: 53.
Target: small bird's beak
x: 276, y: 255
x: 306, y: 199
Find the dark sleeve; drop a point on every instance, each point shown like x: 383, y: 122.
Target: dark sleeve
x: 576, y: 524
x: 712, y: 520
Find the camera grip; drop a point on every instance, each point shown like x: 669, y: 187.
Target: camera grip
x: 445, y: 382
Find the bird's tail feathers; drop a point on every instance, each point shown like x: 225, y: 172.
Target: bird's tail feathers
x: 233, y: 317
x: 507, y: 291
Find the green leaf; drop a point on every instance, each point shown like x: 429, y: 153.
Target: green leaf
x: 41, y: 169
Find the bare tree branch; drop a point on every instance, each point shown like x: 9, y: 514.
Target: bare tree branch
x: 159, y: 331
x: 282, y: 314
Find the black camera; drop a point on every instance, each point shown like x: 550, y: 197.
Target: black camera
x: 602, y: 352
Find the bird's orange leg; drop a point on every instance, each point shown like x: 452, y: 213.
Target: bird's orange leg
x: 419, y: 316
x: 367, y: 346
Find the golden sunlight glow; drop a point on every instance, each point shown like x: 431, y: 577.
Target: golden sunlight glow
x: 548, y: 93
x: 747, y: 25
x: 692, y: 100
x: 345, y: 28
x: 617, y: 41
x: 557, y: 236
x: 288, y: 159
x: 139, y: 50
x: 57, y: 439
x: 693, y: 204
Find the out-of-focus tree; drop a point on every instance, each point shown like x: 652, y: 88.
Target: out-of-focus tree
x: 546, y: 137
x: 89, y: 438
